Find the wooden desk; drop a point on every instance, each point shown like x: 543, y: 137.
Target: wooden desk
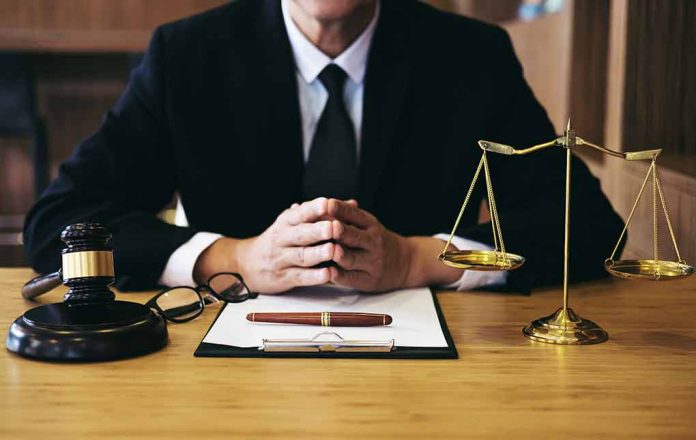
x: 640, y: 384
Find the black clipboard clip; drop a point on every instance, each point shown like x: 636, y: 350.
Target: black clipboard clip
x: 326, y: 342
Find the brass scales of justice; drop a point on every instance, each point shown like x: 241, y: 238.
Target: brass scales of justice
x: 564, y: 326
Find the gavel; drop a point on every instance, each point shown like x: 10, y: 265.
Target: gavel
x: 89, y: 324
x: 88, y: 266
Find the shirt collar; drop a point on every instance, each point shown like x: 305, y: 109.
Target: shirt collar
x: 310, y: 61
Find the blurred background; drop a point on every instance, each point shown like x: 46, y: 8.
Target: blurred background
x: 623, y: 70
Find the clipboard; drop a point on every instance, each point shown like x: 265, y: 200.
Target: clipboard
x: 330, y: 344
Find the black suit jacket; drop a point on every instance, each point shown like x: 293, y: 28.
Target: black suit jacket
x: 212, y: 113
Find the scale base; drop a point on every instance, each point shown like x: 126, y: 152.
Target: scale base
x: 564, y: 327
x: 87, y: 332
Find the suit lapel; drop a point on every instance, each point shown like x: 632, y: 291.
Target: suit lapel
x: 386, y: 82
x: 281, y: 153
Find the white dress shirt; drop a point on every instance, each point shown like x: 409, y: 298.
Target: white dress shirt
x: 309, y: 62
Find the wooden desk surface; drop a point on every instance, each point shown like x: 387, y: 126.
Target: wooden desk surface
x: 640, y: 384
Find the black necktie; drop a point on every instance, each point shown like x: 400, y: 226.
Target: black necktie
x: 331, y: 170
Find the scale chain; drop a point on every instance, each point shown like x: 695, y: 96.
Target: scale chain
x: 491, y: 207
x: 466, y: 201
x: 630, y: 215
x: 656, y: 250
x: 494, y: 210
x: 664, y: 208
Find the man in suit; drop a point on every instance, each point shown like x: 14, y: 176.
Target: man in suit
x: 302, y: 132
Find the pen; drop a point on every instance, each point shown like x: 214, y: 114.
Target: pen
x: 325, y: 319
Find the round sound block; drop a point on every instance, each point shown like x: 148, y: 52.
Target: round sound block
x: 87, y: 332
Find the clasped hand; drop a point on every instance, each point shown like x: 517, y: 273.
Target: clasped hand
x: 363, y: 253
x: 367, y: 256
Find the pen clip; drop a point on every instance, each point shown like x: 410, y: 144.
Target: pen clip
x: 318, y: 336
x: 319, y: 343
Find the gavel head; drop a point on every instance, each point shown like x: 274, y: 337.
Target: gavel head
x: 88, y: 263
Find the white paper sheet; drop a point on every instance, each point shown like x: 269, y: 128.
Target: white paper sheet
x: 415, y: 322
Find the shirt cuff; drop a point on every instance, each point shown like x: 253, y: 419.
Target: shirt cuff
x: 473, y: 279
x: 179, y: 268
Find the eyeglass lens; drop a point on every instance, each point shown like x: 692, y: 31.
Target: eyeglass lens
x: 228, y: 286
x: 180, y: 303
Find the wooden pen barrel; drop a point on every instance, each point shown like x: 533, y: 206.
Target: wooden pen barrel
x: 326, y: 319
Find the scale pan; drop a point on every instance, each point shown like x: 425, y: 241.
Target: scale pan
x: 481, y: 260
x: 653, y: 270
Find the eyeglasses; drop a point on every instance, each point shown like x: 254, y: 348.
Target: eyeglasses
x: 183, y: 303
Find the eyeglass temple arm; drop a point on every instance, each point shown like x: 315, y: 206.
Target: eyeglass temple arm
x: 183, y: 310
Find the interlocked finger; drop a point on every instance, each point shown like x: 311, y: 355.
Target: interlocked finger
x: 352, y: 259
x: 354, y: 237
x: 296, y: 277
x: 306, y: 234
x: 306, y: 256
x: 307, y: 212
x: 350, y: 213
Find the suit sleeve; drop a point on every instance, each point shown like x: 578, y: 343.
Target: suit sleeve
x: 530, y: 189
x: 121, y: 176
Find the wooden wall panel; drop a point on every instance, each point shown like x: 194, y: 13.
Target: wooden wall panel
x: 88, y: 25
x: 96, y: 14
x: 492, y: 11
x: 588, y: 69
x: 660, y: 106
x: 74, y: 93
x: 544, y: 48
x: 16, y: 176
x: 16, y: 196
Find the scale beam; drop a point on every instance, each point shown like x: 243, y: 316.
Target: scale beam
x: 507, y: 150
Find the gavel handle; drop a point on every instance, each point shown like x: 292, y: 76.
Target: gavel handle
x: 42, y: 284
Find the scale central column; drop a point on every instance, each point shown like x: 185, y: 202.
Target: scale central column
x: 564, y: 327
x: 566, y: 237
